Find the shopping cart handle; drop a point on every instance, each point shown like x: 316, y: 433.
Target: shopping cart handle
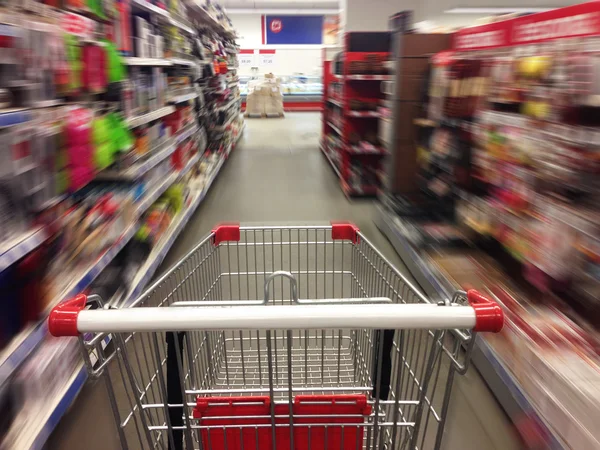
x: 488, y: 314
x: 73, y: 317
x: 63, y: 317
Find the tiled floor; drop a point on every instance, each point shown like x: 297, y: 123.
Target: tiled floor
x: 278, y: 175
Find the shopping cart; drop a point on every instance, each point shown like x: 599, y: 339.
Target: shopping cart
x: 279, y: 338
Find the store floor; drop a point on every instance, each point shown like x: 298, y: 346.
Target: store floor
x: 277, y: 174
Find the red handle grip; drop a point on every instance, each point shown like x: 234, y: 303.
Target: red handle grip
x: 489, y: 316
x: 62, y: 320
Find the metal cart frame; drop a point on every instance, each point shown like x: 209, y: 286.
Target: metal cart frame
x: 280, y: 337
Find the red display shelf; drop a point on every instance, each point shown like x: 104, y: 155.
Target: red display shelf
x: 363, y: 191
x: 369, y: 77
x: 362, y: 114
x: 349, y: 123
x: 337, y: 102
x: 366, y: 149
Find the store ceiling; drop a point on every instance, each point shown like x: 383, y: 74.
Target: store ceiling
x: 441, y: 11
x: 281, y: 4
x: 430, y: 6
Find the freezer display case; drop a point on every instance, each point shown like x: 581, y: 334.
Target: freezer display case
x: 300, y: 92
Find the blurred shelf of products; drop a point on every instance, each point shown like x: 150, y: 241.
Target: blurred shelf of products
x: 115, y: 119
x: 488, y: 179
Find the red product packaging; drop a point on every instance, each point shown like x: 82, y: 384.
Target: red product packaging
x: 94, y: 68
x: 177, y: 158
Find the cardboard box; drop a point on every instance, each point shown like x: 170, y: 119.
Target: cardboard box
x: 274, y: 105
x: 255, y: 104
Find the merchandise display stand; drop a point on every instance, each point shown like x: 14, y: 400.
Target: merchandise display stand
x: 159, y: 102
x: 352, y: 103
x: 509, y: 135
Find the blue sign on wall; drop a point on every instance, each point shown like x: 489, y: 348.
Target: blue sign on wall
x: 292, y: 29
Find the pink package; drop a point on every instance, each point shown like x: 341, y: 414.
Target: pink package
x: 81, y: 156
x: 79, y: 127
x: 79, y: 148
x: 94, y: 68
x: 79, y: 177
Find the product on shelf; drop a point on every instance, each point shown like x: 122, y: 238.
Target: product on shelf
x: 107, y: 122
x: 507, y: 145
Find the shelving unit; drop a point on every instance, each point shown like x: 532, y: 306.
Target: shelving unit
x: 33, y: 337
x: 350, y: 113
x: 17, y: 247
x: 503, y: 384
x: 506, y: 207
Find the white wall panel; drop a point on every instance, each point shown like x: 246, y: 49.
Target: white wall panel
x: 288, y: 59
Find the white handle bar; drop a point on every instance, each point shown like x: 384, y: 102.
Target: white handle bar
x: 70, y: 318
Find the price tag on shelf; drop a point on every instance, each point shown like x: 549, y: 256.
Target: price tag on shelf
x: 267, y: 60
x: 246, y: 59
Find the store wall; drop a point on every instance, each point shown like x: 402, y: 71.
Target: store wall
x: 288, y: 59
x: 373, y: 15
x: 248, y: 27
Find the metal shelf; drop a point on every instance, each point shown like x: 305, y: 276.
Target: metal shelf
x: 133, y: 122
x: 201, y: 15
x: 365, y: 149
x: 179, y: 24
x: 370, y: 77
x: 142, y: 5
x: 335, y: 128
x: 363, y: 114
x: 335, y: 168
x: 182, y: 62
x: 335, y: 102
x: 183, y: 97
x: 14, y: 116
x: 153, y: 62
x: 14, y: 249
x: 227, y: 105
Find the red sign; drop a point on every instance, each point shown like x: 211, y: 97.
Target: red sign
x: 276, y: 25
x: 492, y: 35
x: 569, y: 22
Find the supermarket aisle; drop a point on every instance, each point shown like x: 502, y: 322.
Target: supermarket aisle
x: 276, y: 175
